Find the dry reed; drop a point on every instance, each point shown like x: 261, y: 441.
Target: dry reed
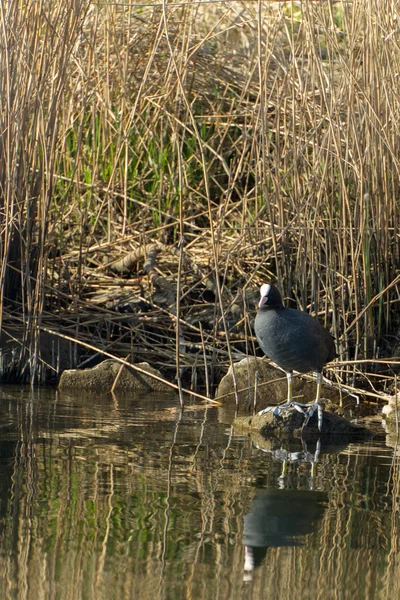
x: 245, y: 141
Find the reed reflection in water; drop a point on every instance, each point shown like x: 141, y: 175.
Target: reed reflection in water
x: 129, y: 498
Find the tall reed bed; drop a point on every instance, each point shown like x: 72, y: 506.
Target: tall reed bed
x: 254, y: 140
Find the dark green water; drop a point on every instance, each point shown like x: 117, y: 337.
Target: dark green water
x: 104, y: 498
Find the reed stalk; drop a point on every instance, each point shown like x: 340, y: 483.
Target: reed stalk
x: 253, y: 141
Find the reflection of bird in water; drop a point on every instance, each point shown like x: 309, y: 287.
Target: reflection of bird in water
x: 286, y: 456
x: 279, y: 518
x: 295, y: 341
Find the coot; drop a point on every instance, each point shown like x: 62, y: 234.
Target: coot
x: 295, y: 341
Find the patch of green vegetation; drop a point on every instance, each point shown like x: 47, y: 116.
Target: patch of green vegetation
x: 294, y: 13
x: 337, y: 12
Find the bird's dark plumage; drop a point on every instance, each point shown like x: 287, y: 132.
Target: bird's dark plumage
x: 295, y: 341
x: 291, y: 338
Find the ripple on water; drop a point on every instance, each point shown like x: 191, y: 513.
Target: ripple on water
x: 100, y: 496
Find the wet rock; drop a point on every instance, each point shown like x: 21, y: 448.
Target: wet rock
x: 271, y: 385
x: 101, y: 378
x: 290, y: 421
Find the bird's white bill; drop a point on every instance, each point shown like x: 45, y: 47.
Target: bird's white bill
x: 264, y: 291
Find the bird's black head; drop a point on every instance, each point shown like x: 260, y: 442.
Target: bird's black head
x: 270, y: 297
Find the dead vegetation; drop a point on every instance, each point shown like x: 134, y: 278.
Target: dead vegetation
x: 158, y: 162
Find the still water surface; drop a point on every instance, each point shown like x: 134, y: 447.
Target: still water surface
x: 117, y: 498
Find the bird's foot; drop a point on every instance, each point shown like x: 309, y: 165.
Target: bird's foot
x: 276, y: 410
x: 311, y: 408
x: 308, y: 411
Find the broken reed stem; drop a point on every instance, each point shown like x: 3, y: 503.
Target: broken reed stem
x: 118, y: 375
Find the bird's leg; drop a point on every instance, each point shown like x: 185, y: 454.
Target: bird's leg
x: 289, y: 376
x: 316, y: 406
x: 308, y: 410
x: 319, y: 407
x: 277, y: 409
x: 319, y: 382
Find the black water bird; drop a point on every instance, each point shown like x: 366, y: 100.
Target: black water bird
x: 295, y: 341
x: 280, y: 518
